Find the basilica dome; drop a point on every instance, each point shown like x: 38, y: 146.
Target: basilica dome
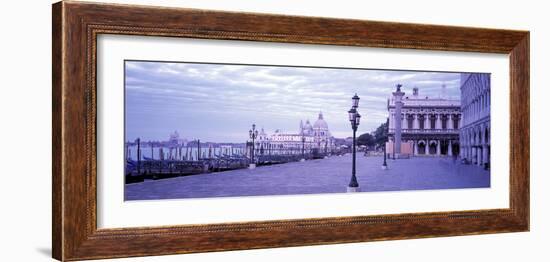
x: 320, y: 123
x: 174, y: 136
x: 307, y: 126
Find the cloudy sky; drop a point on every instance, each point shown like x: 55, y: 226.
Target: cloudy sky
x: 219, y: 103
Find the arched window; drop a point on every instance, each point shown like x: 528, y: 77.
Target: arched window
x: 433, y: 148
x: 421, y: 148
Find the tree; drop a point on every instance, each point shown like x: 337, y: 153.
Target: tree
x: 381, y: 134
x: 366, y: 139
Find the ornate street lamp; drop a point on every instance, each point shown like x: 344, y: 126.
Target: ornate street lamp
x: 355, y: 101
x: 385, y: 165
x: 354, y: 118
x: 253, y: 133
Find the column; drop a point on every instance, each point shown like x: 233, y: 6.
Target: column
x: 438, y: 148
x: 473, y: 154
x: 484, y: 155
x: 450, y: 148
x: 477, y: 155
x: 424, y: 121
x: 398, y: 131
x: 487, y: 154
x: 480, y: 156
x: 483, y: 104
x: 415, y: 122
x: 437, y: 121
x: 478, y: 108
x: 398, y: 119
x: 415, y: 147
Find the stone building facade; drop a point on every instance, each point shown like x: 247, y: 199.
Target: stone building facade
x: 430, y: 124
x: 475, y: 133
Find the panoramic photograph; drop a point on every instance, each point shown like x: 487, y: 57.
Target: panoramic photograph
x: 202, y: 130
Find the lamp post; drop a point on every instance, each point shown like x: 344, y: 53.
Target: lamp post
x: 253, y: 133
x: 354, y: 118
x: 385, y: 165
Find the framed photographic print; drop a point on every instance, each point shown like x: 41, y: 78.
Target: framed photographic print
x: 182, y: 130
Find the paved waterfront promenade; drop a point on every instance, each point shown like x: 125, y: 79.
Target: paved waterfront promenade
x: 316, y: 176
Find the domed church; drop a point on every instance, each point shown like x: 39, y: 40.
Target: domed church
x: 319, y: 131
x: 316, y: 136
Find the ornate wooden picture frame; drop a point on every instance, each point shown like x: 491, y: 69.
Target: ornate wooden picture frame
x: 76, y: 26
